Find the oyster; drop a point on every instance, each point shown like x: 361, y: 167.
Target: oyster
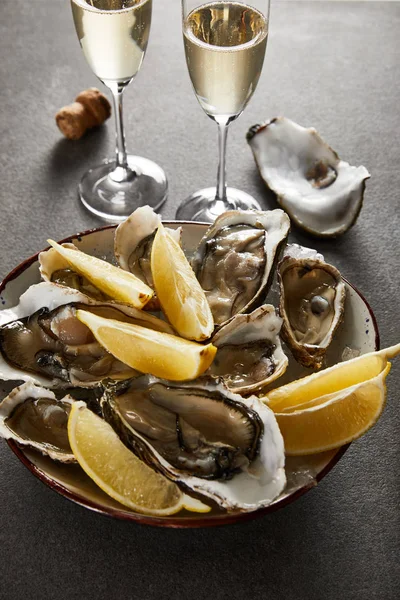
x: 202, y: 436
x: 234, y: 260
x: 108, y: 281
x: 41, y: 340
x: 311, y: 303
x: 56, y: 269
x: 134, y: 239
x: 32, y: 416
x: 250, y: 354
x: 321, y: 193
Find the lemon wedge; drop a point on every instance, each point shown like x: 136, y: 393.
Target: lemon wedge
x: 149, y: 351
x: 332, y: 407
x: 118, y: 472
x: 180, y: 294
x: 331, y: 380
x: 118, y: 284
x: 335, y: 419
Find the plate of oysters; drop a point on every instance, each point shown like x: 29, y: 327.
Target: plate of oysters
x: 185, y: 374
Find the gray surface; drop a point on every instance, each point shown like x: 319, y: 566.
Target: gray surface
x: 331, y: 65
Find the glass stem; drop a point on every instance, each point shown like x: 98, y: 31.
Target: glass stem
x: 122, y: 172
x: 221, y: 181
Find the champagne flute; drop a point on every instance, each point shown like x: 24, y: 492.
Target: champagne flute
x: 113, y: 35
x: 225, y: 45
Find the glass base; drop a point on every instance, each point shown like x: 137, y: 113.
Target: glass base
x: 202, y: 205
x: 143, y: 183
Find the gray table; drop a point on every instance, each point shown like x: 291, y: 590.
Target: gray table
x: 331, y: 65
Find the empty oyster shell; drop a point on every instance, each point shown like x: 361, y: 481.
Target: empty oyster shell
x: 235, y: 259
x: 321, y: 193
x: 42, y: 341
x: 202, y: 436
x: 250, y: 354
x: 134, y: 239
x: 311, y: 303
x: 32, y: 416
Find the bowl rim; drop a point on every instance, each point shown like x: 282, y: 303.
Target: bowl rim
x: 172, y: 521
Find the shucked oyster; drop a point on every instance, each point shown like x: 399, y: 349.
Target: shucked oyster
x: 320, y: 192
x: 201, y: 435
x: 311, y: 304
x: 234, y: 260
x: 95, y: 277
x: 56, y: 269
x: 32, y: 416
x: 134, y: 239
x: 41, y: 340
x: 55, y: 345
x: 250, y: 354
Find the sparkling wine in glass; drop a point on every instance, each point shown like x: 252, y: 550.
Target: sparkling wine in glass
x: 113, y: 35
x: 225, y: 47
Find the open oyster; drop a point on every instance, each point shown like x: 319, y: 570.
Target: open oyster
x: 320, y: 192
x: 234, y: 260
x: 311, y: 303
x: 41, y: 340
x: 134, y: 239
x: 99, y: 276
x: 56, y: 269
x: 32, y: 416
x: 202, y: 436
x: 250, y: 354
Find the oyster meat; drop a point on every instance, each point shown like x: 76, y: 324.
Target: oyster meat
x: 321, y: 193
x: 311, y: 304
x: 202, y: 436
x: 32, y: 416
x: 41, y: 340
x: 249, y: 354
x: 57, y: 346
x: 234, y: 260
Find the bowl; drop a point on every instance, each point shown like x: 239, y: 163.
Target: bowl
x: 358, y: 332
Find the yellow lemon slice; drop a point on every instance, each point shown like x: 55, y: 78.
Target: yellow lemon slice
x: 180, y: 294
x: 118, y: 472
x: 335, y: 419
x: 113, y: 281
x: 331, y: 380
x: 149, y: 351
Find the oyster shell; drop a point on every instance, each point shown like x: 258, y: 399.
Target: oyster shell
x: 321, y: 193
x: 134, y: 239
x: 235, y: 259
x: 311, y: 303
x: 202, y: 436
x: 32, y: 416
x: 250, y: 354
x: 42, y: 341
